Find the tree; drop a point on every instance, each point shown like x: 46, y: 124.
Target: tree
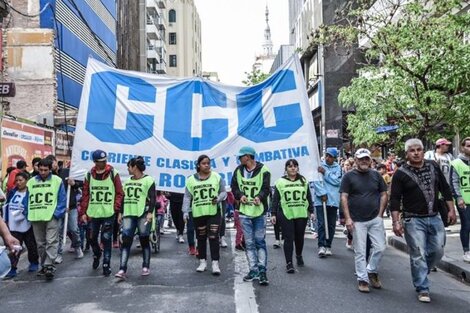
x: 416, y: 67
x: 254, y: 77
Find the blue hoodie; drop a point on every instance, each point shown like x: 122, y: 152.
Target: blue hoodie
x: 330, y: 185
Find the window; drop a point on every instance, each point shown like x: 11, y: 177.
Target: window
x: 172, y: 38
x: 172, y: 16
x: 172, y: 60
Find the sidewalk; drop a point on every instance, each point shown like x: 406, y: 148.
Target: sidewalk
x: 451, y: 262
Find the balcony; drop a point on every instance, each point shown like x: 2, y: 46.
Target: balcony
x: 152, y: 53
x: 161, y: 67
x: 161, y: 4
x: 152, y: 6
x: 151, y: 29
x: 161, y: 22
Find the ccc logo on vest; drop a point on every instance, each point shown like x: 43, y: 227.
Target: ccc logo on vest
x: 101, y: 196
x: 40, y: 198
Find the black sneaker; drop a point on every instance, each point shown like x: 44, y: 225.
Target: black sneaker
x: 300, y: 260
x: 289, y: 268
x: 96, y: 262
x: 49, y: 273
x: 41, y: 272
x: 263, y: 279
x: 106, y: 270
x: 252, y: 275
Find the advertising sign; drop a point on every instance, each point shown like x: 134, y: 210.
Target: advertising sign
x: 22, y: 141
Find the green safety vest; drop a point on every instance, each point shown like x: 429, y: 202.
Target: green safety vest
x: 464, y: 176
x: 294, y: 201
x: 202, y: 193
x: 43, y: 197
x: 102, y: 195
x: 251, y: 187
x: 135, y: 195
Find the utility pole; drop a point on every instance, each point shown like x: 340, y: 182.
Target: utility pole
x: 4, y: 10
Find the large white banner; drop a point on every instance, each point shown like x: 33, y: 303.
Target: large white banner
x: 170, y: 122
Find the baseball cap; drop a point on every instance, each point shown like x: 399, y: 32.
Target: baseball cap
x: 99, y: 155
x: 332, y: 151
x: 442, y: 141
x: 246, y: 150
x: 362, y: 153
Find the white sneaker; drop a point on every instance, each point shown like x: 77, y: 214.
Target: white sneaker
x: 328, y: 252
x: 277, y: 244
x: 202, y: 266
x: 180, y: 239
x: 59, y: 259
x: 466, y: 257
x: 223, y: 243
x: 215, y: 268
x: 321, y: 252
x: 78, y: 253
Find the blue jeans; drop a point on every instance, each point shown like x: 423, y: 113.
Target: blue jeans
x: 425, y: 237
x: 4, y: 263
x: 374, y: 229
x: 72, y: 231
x: 254, y: 232
x: 331, y: 216
x: 104, y: 224
x: 129, y: 226
x: 159, y: 222
x: 465, y: 227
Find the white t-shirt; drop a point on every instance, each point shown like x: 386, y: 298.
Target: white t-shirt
x: 16, y: 219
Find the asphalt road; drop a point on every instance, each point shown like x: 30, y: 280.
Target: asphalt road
x: 323, y: 285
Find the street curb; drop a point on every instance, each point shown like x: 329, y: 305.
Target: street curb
x: 446, y: 264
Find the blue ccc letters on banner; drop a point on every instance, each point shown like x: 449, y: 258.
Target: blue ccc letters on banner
x: 178, y: 111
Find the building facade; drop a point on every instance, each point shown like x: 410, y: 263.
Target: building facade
x: 62, y: 34
x: 82, y: 29
x: 325, y: 70
x: 141, y: 35
x: 46, y: 46
x: 284, y: 53
x: 184, y: 39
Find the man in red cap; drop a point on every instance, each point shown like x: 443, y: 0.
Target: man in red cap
x: 101, y: 200
x: 442, y: 155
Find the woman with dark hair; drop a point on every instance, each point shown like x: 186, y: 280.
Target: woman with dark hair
x: 205, y: 190
x: 136, y: 213
x: 14, y: 212
x: 292, y: 203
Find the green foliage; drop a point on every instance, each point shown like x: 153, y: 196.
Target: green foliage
x: 417, y: 68
x: 254, y: 77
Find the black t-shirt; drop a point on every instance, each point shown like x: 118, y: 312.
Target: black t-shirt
x: 363, y: 189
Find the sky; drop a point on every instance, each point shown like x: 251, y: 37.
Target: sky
x: 233, y: 34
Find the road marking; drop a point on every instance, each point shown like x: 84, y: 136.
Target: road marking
x: 245, y: 299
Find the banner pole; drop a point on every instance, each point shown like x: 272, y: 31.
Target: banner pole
x: 325, y: 221
x: 66, y: 218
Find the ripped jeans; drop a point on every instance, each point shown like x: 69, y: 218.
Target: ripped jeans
x: 104, y: 224
x: 129, y: 226
x: 254, y: 232
x: 207, y: 227
x: 425, y: 237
